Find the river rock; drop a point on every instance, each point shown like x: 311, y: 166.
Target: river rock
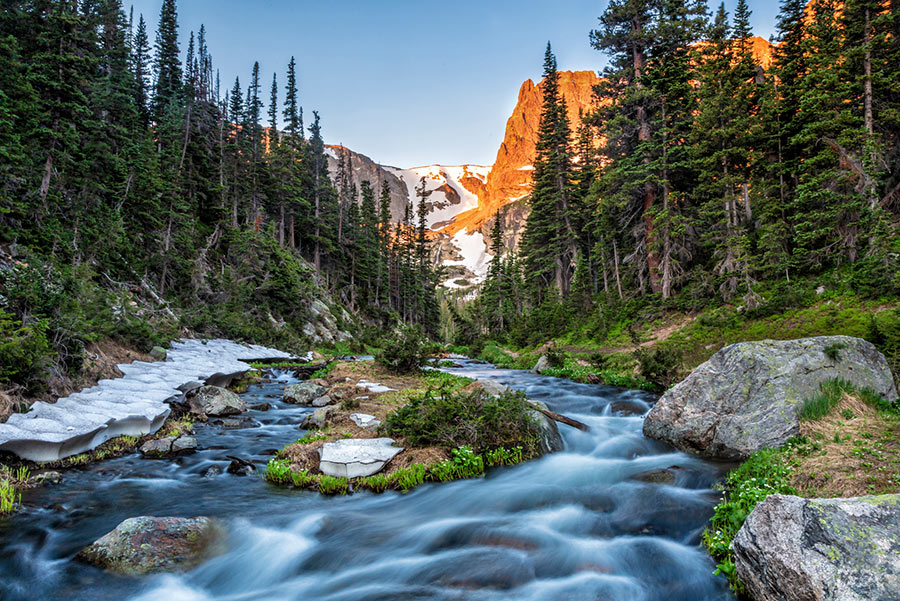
x: 47, y: 478
x: 214, y: 401
x: 551, y: 440
x: 317, y: 419
x: 748, y: 395
x: 322, y: 401
x: 356, y: 457
x: 142, y: 545
x: 492, y: 387
x: 794, y: 549
x: 170, y: 445
x: 240, y: 467
x: 542, y: 364
x: 303, y: 393
x: 158, y: 353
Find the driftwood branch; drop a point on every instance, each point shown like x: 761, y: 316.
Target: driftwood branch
x: 562, y: 418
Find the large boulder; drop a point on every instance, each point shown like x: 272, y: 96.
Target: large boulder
x: 214, y: 401
x: 748, y: 395
x: 303, y: 393
x: 145, y: 544
x: 356, y: 457
x: 542, y: 364
x: 793, y: 549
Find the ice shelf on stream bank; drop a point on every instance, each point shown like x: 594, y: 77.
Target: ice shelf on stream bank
x: 133, y: 405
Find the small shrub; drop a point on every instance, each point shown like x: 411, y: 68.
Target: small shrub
x: 478, y: 420
x: 659, y: 365
x: 598, y: 360
x: 405, y: 351
x: 503, y: 456
x: 556, y: 357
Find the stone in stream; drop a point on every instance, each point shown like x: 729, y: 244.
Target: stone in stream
x: 551, y: 440
x: 364, y: 420
x: 748, y: 395
x: 262, y: 407
x: 214, y: 401
x: 794, y: 549
x: 356, y: 457
x: 240, y: 467
x: 170, y: 445
x: 158, y: 353
x: 142, y: 545
x: 303, y: 393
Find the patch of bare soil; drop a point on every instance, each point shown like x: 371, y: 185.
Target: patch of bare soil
x: 100, y: 363
x: 854, y: 450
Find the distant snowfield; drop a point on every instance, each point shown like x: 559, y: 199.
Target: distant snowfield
x: 443, y: 209
x: 476, y: 259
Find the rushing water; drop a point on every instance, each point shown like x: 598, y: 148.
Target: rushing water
x: 574, y: 525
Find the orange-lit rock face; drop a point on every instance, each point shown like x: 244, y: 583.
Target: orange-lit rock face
x: 762, y: 52
x: 510, y: 177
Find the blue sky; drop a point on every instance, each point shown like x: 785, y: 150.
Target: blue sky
x: 406, y: 82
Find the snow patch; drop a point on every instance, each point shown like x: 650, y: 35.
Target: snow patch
x: 442, y: 209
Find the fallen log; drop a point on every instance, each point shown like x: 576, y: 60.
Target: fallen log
x: 562, y: 418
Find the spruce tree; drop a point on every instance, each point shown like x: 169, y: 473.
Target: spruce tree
x: 167, y: 61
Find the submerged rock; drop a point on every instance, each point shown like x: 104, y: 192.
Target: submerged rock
x: 142, y: 545
x: 240, y: 467
x: 303, y: 393
x: 748, y: 395
x: 356, y: 457
x: 214, y: 401
x: 793, y: 549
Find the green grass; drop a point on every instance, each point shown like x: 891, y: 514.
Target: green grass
x: 10, y: 498
x: 312, y: 437
x: 831, y: 393
x: 332, y: 485
x: 764, y: 473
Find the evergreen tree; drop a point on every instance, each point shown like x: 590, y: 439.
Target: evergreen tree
x: 167, y: 61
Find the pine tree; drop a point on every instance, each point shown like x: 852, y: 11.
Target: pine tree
x: 167, y: 61
x: 549, y: 244
x: 141, y: 66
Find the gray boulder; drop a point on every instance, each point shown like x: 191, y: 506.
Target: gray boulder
x: 170, y: 445
x: 303, y: 393
x: 748, y: 395
x: 551, y: 440
x: 542, y: 364
x: 793, y: 549
x: 144, y: 544
x: 317, y: 419
x: 158, y: 353
x: 214, y: 401
x: 492, y: 387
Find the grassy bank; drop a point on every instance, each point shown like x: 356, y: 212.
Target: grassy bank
x: 849, y: 446
x: 653, y: 348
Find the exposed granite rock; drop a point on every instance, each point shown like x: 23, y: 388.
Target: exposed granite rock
x: 142, y: 545
x: 303, y: 393
x: 214, y: 401
x: 793, y: 549
x: 551, y: 440
x: 317, y: 419
x: 748, y: 395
